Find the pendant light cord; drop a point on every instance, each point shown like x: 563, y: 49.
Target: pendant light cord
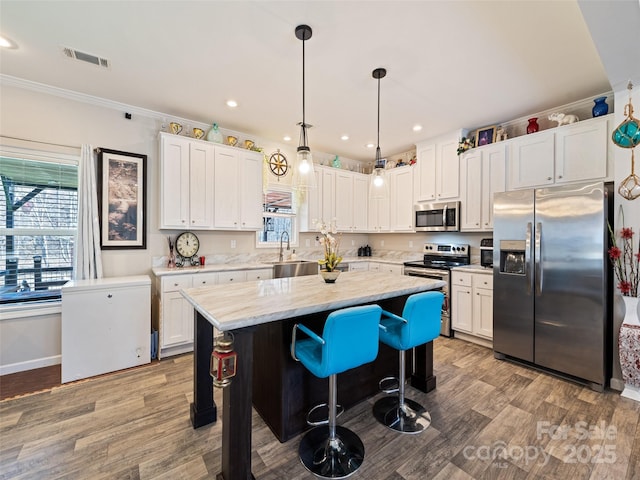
x: 378, y: 145
x: 304, y: 123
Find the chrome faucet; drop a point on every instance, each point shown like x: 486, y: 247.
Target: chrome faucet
x: 281, y: 256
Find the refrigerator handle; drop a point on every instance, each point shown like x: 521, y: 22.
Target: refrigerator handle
x: 538, y: 259
x: 527, y: 258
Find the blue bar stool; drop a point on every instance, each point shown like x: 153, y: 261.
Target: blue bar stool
x: 349, y: 339
x: 419, y: 324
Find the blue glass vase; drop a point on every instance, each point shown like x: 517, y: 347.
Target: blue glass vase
x: 600, y: 108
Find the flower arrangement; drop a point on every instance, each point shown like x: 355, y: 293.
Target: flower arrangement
x: 626, y: 263
x: 465, y: 144
x: 331, y: 244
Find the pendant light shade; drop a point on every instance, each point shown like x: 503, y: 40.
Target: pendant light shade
x: 379, y: 187
x: 303, y: 173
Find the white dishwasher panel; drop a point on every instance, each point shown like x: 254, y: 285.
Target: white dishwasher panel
x: 106, y: 326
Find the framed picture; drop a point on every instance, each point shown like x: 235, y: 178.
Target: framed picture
x: 485, y: 136
x: 122, y: 193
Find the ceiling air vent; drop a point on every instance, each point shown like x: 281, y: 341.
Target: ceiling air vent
x: 85, y: 57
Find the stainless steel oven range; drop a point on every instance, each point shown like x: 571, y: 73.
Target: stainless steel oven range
x: 437, y: 262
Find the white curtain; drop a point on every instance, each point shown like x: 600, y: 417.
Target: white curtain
x: 88, y: 261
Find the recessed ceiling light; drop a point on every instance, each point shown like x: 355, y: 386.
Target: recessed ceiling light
x: 344, y: 137
x: 6, y: 43
x: 417, y: 128
x: 370, y: 145
x: 232, y: 103
x: 287, y: 138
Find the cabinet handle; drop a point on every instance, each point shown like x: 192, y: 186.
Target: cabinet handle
x: 559, y: 176
x: 548, y: 178
x: 109, y: 295
x: 183, y: 221
x: 193, y: 221
x: 175, y: 284
x: 231, y: 279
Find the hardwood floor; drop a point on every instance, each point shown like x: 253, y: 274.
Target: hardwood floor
x: 491, y: 420
x: 29, y: 381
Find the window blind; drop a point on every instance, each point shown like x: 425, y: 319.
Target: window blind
x: 38, y: 224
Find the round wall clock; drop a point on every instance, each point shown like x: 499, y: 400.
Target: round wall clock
x: 187, y: 245
x: 278, y: 164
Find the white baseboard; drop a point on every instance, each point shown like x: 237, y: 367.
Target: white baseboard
x: 631, y: 392
x: 30, y: 364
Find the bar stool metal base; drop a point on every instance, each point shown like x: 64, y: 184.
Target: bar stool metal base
x: 410, y: 418
x: 324, y: 458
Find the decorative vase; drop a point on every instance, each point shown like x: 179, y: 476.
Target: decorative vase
x: 533, y: 126
x: 629, y: 349
x: 330, y: 277
x: 600, y: 107
x: 214, y: 134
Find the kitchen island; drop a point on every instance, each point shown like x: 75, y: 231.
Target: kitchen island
x: 243, y: 308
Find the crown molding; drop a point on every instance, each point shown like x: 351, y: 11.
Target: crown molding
x: 11, y: 81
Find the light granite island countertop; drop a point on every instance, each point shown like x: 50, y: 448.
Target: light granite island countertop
x: 229, y: 307
x: 241, y: 309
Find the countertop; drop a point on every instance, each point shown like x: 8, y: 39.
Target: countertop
x: 474, y: 269
x: 230, y: 307
x: 233, y: 266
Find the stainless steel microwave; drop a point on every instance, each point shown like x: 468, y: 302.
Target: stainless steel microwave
x: 436, y: 217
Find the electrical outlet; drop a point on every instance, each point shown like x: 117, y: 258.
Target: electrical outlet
x: 307, y: 243
x: 233, y: 244
x: 382, y: 243
x: 410, y: 243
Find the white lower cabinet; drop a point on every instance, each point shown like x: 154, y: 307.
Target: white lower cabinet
x: 359, y: 267
x: 175, y: 314
x: 472, y: 303
x: 385, y: 267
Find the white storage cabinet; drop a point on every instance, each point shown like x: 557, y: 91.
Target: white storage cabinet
x: 106, y: 325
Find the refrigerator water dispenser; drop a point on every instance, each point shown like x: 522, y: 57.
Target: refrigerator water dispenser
x: 512, y: 256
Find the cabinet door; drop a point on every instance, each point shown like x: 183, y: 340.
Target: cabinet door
x: 379, y: 215
x: 328, y: 195
x: 531, y: 161
x: 425, y: 180
x: 581, y: 151
x: 344, y: 201
x: 483, y: 312
x: 177, y: 319
x: 262, y: 274
x: 471, y: 175
x: 493, y: 181
x: 201, y: 184
x: 447, y: 170
x: 401, y: 199
x: 250, y: 188
x: 360, y: 202
x: 238, y: 276
x: 314, y: 204
x: 359, y: 267
x: 174, y: 181
x: 226, y: 181
x: 461, y: 309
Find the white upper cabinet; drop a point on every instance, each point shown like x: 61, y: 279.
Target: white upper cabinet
x: 581, y: 151
x: 570, y: 153
x: 352, y: 190
x: 531, y: 160
x: 438, y: 169
x: 186, y: 176
x: 482, y: 173
x: 379, y: 215
x: 401, y: 198
x: 238, y: 189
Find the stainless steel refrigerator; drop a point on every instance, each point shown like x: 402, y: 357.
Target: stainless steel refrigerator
x: 550, y: 271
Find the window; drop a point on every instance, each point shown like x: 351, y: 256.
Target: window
x: 278, y: 216
x: 38, y: 224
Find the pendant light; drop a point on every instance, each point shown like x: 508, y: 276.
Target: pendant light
x: 379, y: 187
x: 304, y: 174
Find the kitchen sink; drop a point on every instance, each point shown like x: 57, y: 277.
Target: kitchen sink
x: 294, y: 268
